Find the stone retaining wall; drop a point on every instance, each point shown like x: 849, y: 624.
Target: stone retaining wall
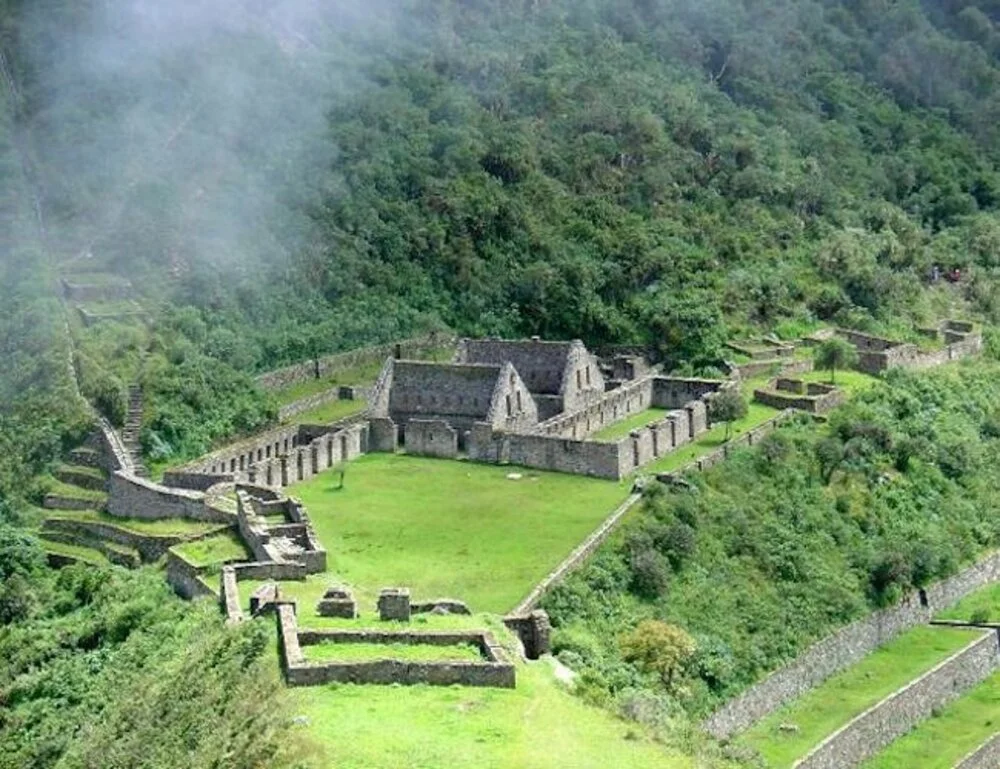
x: 416, y: 347
x: 986, y: 756
x: 59, y: 502
x: 184, y: 578
x: 150, y: 547
x: 194, y: 481
x: 847, y: 646
x: 229, y: 594
x: 134, y: 497
x: 495, y: 670
x: 894, y: 716
x: 588, y: 546
x: 309, y: 402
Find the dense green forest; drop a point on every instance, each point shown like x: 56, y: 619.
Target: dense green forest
x: 784, y: 543
x: 279, y: 182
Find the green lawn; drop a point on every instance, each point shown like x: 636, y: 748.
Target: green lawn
x: 621, y: 429
x: 159, y: 527
x: 329, y: 412
x: 366, y: 652
x: 86, y: 554
x: 829, y: 706
x: 55, y: 486
x: 985, y: 602
x: 538, y: 725
x: 850, y: 381
x: 358, y: 375
x: 213, y: 550
x: 707, y: 442
x: 446, y: 528
x: 942, y: 740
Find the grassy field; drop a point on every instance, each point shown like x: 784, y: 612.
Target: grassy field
x: 538, y: 725
x: 623, y: 428
x: 157, y: 527
x: 328, y: 412
x: 709, y: 441
x: 984, y: 604
x: 844, y: 696
x: 213, y: 550
x: 86, y: 554
x: 446, y: 528
x: 941, y: 741
x: 365, y: 652
x: 850, y: 381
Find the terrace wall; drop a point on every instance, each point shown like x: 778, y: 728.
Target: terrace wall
x: 432, y: 438
x: 184, y: 579
x: 986, y: 756
x: 329, y: 365
x: 894, y: 716
x: 134, y: 497
x: 847, y: 646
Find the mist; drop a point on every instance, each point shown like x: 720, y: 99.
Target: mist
x: 186, y: 134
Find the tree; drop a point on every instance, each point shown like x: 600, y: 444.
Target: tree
x: 661, y: 648
x: 727, y: 406
x: 341, y: 469
x: 835, y: 353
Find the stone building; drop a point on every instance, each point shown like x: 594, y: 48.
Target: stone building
x: 561, y: 376
x: 431, y: 407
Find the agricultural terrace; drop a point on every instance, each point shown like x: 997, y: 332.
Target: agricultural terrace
x: 832, y: 704
x: 980, y: 606
x: 538, y: 725
x: 480, y: 533
x: 941, y: 741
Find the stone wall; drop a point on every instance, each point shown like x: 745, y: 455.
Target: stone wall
x: 150, y: 547
x: 184, y: 578
x: 876, y: 355
x: 810, y: 397
x: 847, y: 646
x: 432, y: 438
x: 894, y: 716
x: 133, y: 497
x: 229, y: 594
x: 578, y: 556
x: 194, y: 481
x: 601, y: 460
x: 418, y: 347
x: 308, y: 403
x: 986, y: 756
x: 494, y: 670
x: 77, y: 289
x: 777, y: 366
x: 613, y: 406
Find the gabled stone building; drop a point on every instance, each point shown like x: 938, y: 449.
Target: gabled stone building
x: 561, y: 376
x: 431, y: 407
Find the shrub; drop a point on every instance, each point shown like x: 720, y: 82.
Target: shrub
x: 660, y: 648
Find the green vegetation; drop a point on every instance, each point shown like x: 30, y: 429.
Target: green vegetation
x: 981, y: 606
x: 809, y: 530
x: 438, y: 728
x: 55, y: 486
x: 85, y: 554
x: 709, y: 441
x: 366, y: 652
x: 958, y: 729
x: 835, y: 354
x: 152, y: 527
x: 448, y: 528
x: 829, y: 706
x: 852, y: 382
x: 621, y: 429
x: 329, y: 412
x: 213, y: 550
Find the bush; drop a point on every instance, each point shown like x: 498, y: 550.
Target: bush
x: 650, y: 574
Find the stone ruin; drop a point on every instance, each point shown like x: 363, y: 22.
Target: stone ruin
x: 337, y: 601
x: 394, y: 604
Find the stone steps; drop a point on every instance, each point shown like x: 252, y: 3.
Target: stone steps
x: 132, y: 430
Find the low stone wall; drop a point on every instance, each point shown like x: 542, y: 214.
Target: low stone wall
x: 809, y: 397
x: 115, y: 455
x: 986, y: 756
x: 117, y: 556
x: 601, y: 460
x: 894, y: 716
x: 184, y: 578
x: 613, y: 406
x: 414, y: 348
x: 229, y: 594
x: 775, y: 366
x: 276, y: 570
x: 847, y: 646
x: 308, y: 403
x: 59, y: 502
x: 431, y: 438
x: 150, y: 547
x: 134, y: 497
x: 580, y: 554
x: 495, y: 670
x: 194, y: 481
x: 876, y: 355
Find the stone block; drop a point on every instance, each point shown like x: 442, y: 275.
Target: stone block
x: 394, y: 604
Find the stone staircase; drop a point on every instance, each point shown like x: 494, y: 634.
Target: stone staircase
x: 132, y: 429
